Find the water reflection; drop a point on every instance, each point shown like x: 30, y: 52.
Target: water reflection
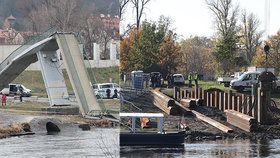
x: 219, y: 148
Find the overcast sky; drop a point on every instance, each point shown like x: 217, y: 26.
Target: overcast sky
x: 192, y: 17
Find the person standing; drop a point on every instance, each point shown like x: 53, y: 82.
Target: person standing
x: 4, y: 100
x: 190, y: 79
x: 168, y: 78
x: 108, y: 92
x: 196, y: 79
x: 21, y: 93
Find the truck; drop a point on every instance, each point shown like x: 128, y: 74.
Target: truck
x: 249, y: 78
x: 226, y: 80
x: 16, y: 89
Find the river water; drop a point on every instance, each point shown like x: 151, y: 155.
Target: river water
x: 70, y: 142
x: 208, y: 149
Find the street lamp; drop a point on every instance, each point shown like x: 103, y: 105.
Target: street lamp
x: 266, y: 50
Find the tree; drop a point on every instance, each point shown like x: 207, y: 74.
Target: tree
x: 250, y: 36
x: 62, y: 14
x: 139, y: 6
x: 197, y: 57
x: 90, y: 28
x: 146, y: 46
x: 259, y: 58
x: 152, y: 43
x: 169, y: 56
x: 43, y: 14
x: 122, y: 6
x: 226, y: 24
x: 274, y: 55
x: 126, y: 46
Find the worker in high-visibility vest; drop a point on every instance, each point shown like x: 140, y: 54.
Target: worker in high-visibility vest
x: 196, y: 79
x: 190, y: 79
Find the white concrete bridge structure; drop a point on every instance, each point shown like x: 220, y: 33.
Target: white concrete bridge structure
x: 44, y: 50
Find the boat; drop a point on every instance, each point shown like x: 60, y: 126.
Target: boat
x: 136, y: 137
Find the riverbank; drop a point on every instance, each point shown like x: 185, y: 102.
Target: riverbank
x: 17, y: 115
x: 196, y: 129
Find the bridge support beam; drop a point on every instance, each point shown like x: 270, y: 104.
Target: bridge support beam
x: 53, y: 77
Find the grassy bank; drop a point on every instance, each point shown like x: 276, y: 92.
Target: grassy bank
x: 212, y: 84
x: 25, y: 106
x: 34, y: 80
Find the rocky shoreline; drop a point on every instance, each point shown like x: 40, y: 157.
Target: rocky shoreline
x: 27, y: 124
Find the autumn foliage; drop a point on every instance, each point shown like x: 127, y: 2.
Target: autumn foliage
x: 150, y: 44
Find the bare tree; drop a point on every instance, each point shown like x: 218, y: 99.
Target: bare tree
x: 139, y: 6
x: 94, y: 29
x: 225, y: 14
x: 123, y: 4
x: 36, y: 16
x: 62, y: 13
x: 196, y: 55
x: 250, y: 36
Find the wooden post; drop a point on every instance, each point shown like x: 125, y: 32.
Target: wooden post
x: 255, y: 107
x: 230, y: 100
x: 216, y: 101
x: 203, y: 95
x: 182, y: 94
x: 250, y: 104
x: 197, y: 92
x: 212, y: 100
x: 186, y: 93
x: 175, y: 92
x: 225, y: 101
x: 234, y: 103
x: 207, y: 99
x: 179, y: 93
x: 221, y: 101
x: 263, y: 102
x: 239, y: 104
x: 193, y: 93
x: 243, y: 103
x: 189, y: 94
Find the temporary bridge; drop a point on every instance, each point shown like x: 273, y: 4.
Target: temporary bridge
x: 45, y: 50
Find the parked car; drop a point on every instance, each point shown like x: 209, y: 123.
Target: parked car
x: 100, y: 90
x: 16, y: 89
x: 246, y: 80
x: 178, y: 79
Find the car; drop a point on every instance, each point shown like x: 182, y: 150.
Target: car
x: 100, y: 90
x: 16, y: 89
x: 246, y: 80
x: 178, y: 79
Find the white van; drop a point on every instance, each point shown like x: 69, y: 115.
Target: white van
x: 16, y: 89
x: 101, y: 88
x: 178, y: 79
x: 246, y: 80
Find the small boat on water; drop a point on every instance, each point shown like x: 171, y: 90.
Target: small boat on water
x: 159, y: 137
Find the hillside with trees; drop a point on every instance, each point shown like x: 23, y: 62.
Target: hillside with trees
x: 23, y: 9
